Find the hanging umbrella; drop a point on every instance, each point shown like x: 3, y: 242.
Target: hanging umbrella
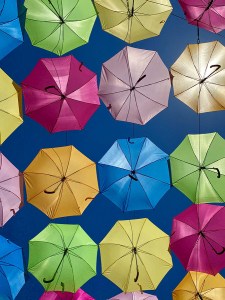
x: 62, y: 257
x: 198, y: 238
x: 208, y: 14
x: 10, y: 30
x: 11, y: 190
x: 59, y: 26
x: 134, y: 174
x: 133, y: 20
x: 10, y: 106
x: 61, y: 94
x: 198, y: 167
x: 134, y: 296
x: 196, y: 285
x: 135, y: 85
x: 61, y: 182
x: 199, y: 77
x: 11, y: 269
x: 135, y: 256
x: 79, y: 295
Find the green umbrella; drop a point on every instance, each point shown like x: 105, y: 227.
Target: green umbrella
x: 62, y: 257
x: 59, y: 26
x: 198, y: 168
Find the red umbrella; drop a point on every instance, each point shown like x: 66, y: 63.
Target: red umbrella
x: 61, y: 94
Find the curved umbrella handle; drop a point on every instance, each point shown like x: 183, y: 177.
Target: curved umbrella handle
x: 219, y: 253
x: 137, y: 276
x: 141, y: 78
x: 54, y: 191
x: 132, y: 177
x: 51, y: 87
x: 129, y: 140
x: 81, y: 65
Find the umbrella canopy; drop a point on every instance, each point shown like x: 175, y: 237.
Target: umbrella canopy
x: 134, y: 174
x: 198, y: 238
x: 10, y: 30
x: 209, y: 14
x: 11, y: 269
x: 79, y: 295
x: 134, y: 296
x: 199, y: 77
x: 135, y: 256
x: 62, y: 257
x: 61, y: 181
x: 135, y: 85
x: 198, y: 167
x: 10, y: 106
x: 11, y: 190
x: 61, y: 94
x: 133, y: 20
x: 196, y: 285
x: 59, y: 26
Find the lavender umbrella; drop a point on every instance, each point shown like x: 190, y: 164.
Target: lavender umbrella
x: 134, y: 296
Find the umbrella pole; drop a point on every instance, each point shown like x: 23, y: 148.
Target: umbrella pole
x: 199, y: 296
x: 58, y: 15
x: 134, y: 250
x: 217, y: 252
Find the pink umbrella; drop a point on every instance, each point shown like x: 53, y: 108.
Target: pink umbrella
x: 208, y: 14
x: 11, y: 190
x: 61, y: 94
x: 198, y: 238
x: 134, y: 296
x: 135, y: 85
x: 79, y: 295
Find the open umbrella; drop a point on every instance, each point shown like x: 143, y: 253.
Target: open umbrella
x: 10, y: 30
x: 61, y: 94
x: 198, y: 167
x: 79, y: 295
x: 207, y: 14
x: 198, y: 238
x: 59, y: 26
x: 135, y: 256
x: 133, y: 20
x: 61, y: 181
x: 196, y: 285
x: 62, y: 257
x: 135, y: 85
x: 134, y: 174
x: 199, y: 77
x: 10, y: 106
x: 11, y: 269
x: 134, y: 296
x: 11, y: 190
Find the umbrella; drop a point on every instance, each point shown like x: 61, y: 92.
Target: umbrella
x: 209, y: 14
x: 61, y: 94
x: 59, y: 26
x: 196, y: 285
x: 10, y: 106
x: 134, y: 174
x: 198, y: 238
x: 199, y: 77
x: 61, y: 181
x: 10, y: 30
x: 135, y: 256
x: 133, y: 20
x: 11, y: 190
x: 134, y: 296
x: 198, y: 167
x: 11, y: 269
x: 135, y: 85
x: 62, y: 257
x: 79, y: 295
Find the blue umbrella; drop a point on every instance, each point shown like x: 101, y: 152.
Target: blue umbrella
x: 11, y: 269
x: 134, y: 174
x: 10, y: 30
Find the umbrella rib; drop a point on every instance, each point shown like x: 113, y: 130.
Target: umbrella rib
x: 115, y: 76
x: 114, y: 244
x: 70, y: 263
x: 113, y: 183
x: 17, y: 38
x: 121, y: 257
x: 145, y: 252
x: 60, y: 34
x: 142, y: 245
x: 196, y: 69
x: 56, y: 206
x: 59, y: 160
x: 68, y: 103
x: 36, y: 173
x: 146, y: 270
x: 6, y: 112
x: 184, y: 75
x: 92, y: 164
x: 101, y: 94
x: 154, y: 178
x: 2, y: 257
x: 53, y: 31
x: 151, y: 99
x: 2, y: 100
x: 6, y: 190
x: 49, y: 9
x: 78, y: 208
x: 140, y: 233
x: 137, y: 107
x: 184, y: 177
x: 184, y: 161
x: 221, y: 106
x: 213, y: 187
x: 69, y: 13
x: 122, y: 106
x: 79, y: 182
x: 126, y: 234
x: 139, y: 21
x: 17, y: 176
x: 47, y: 242
x: 86, y: 83
x: 125, y: 54
x: 138, y: 87
x: 77, y: 256
x: 207, y: 256
x: 210, y: 59
x: 208, y: 149
x: 129, y: 273
x: 69, y: 160
x: 139, y: 155
x: 61, y: 174
x: 149, y: 200
x: 69, y: 73
x: 61, y: 234
x: 52, y: 255
x: 126, y: 202
x: 184, y: 91
x: 3, y: 6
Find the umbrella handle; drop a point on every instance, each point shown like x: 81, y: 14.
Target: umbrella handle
x: 129, y: 141
x: 137, y: 276
x: 209, y: 5
x: 219, y: 253
x: 81, y: 65
x: 53, y: 192
x: 63, y: 287
x: 132, y: 177
x: 217, y: 67
x: 51, y: 87
x: 140, y: 79
x: 199, y: 295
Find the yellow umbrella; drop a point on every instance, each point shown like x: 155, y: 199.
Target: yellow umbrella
x: 61, y: 181
x: 133, y: 20
x: 10, y: 106
x: 200, y: 286
x: 135, y: 256
x: 199, y: 77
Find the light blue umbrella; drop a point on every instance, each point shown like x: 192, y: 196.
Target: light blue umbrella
x: 134, y: 174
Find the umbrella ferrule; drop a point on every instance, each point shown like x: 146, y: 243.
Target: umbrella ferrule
x: 209, y: 5
x: 199, y: 296
x: 134, y: 250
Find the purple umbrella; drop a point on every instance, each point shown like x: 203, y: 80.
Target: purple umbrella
x: 134, y: 296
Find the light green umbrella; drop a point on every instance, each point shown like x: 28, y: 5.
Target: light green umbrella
x: 198, y: 168
x: 62, y: 257
x: 59, y: 26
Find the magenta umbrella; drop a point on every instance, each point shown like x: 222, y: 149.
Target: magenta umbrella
x: 207, y: 14
x: 198, y: 238
x: 135, y: 85
x: 11, y: 190
x: 134, y: 296
x: 79, y: 295
x: 61, y: 94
